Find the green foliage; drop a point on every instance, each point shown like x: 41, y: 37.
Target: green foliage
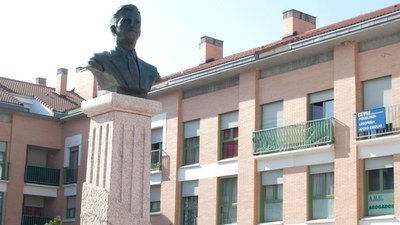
x: 56, y: 221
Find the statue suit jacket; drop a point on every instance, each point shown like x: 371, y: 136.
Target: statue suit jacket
x: 111, y: 70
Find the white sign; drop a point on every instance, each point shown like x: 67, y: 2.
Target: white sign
x: 380, y: 204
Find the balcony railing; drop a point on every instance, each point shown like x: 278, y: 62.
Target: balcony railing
x: 35, y: 220
x: 392, y: 125
x: 42, y: 175
x: 70, y: 175
x: 298, y: 136
x: 155, y: 159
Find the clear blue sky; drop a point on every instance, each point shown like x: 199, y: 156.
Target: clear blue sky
x: 38, y: 37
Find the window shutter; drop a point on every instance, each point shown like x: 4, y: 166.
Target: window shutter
x: 379, y: 163
x: 33, y: 201
x: 229, y: 120
x: 156, y: 135
x: 190, y: 188
x: 321, y: 96
x: 155, y: 193
x: 272, y: 115
x: 272, y: 177
x: 377, y: 93
x: 191, y: 129
x: 325, y: 168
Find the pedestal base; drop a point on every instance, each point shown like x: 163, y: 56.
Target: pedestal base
x: 98, y: 208
x: 117, y: 186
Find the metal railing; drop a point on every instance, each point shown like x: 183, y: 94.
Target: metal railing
x: 42, y: 175
x: 70, y: 175
x: 155, y: 159
x: 35, y: 220
x: 392, y: 125
x: 298, y: 136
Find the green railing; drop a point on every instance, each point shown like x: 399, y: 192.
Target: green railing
x: 298, y: 136
x: 70, y: 175
x: 35, y: 220
x: 42, y: 175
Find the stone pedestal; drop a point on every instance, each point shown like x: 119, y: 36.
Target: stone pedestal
x: 117, y: 186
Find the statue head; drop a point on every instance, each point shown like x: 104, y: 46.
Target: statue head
x: 125, y: 25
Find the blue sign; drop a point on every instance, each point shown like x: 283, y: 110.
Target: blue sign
x: 373, y: 119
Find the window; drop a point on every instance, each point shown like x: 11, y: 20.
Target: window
x: 189, y: 202
x: 71, y: 205
x: 33, y: 206
x: 228, y: 201
x: 322, y: 191
x: 229, y: 135
x: 321, y: 105
x: 191, y: 141
x: 1, y: 205
x: 379, y: 186
x: 155, y: 192
x: 3, y: 164
x: 272, y: 115
x: 377, y: 93
x: 156, y: 148
x: 71, y: 172
x: 271, y: 198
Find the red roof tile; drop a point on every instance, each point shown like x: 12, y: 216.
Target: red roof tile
x: 45, y: 95
x: 273, y: 45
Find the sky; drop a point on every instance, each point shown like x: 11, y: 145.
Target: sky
x: 38, y: 37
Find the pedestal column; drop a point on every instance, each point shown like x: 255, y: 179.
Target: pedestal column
x: 117, y: 186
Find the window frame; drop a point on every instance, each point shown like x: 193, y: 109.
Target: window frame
x: 194, y: 207
x: 156, y: 150
x: 72, y: 209
x: 380, y: 191
x: 195, y: 148
x: 232, y: 181
x: 155, y: 206
x: 231, y: 139
x: 324, y: 196
x: 327, y: 97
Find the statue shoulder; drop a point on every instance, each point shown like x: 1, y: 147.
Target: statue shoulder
x: 149, y: 68
x: 99, y: 60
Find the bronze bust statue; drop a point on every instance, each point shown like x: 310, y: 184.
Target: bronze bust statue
x: 120, y: 70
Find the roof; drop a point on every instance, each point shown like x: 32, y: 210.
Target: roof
x: 47, y: 96
x: 292, y: 39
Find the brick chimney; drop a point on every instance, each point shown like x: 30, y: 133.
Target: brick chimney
x: 85, y: 83
x: 210, y: 49
x: 61, y: 87
x: 41, y: 81
x: 296, y: 22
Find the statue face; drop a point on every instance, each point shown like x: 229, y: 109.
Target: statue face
x: 128, y: 27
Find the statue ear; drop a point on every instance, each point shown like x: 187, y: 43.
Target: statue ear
x: 113, y: 29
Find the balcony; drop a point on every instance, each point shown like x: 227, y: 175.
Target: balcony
x: 42, y: 175
x: 386, y: 117
x: 35, y: 220
x: 70, y: 175
x: 298, y: 136
x: 155, y: 159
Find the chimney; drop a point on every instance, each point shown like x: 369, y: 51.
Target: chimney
x: 85, y: 83
x: 210, y: 49
x: 296, y: 22
x: 41, y: 81
x: 61, y: 87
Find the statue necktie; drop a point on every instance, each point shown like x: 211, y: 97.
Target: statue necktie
x: 134, y: 70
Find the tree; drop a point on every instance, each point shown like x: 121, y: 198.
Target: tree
x: 56, y: 221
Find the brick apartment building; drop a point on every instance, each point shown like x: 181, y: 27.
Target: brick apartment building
x: 304, y: 130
